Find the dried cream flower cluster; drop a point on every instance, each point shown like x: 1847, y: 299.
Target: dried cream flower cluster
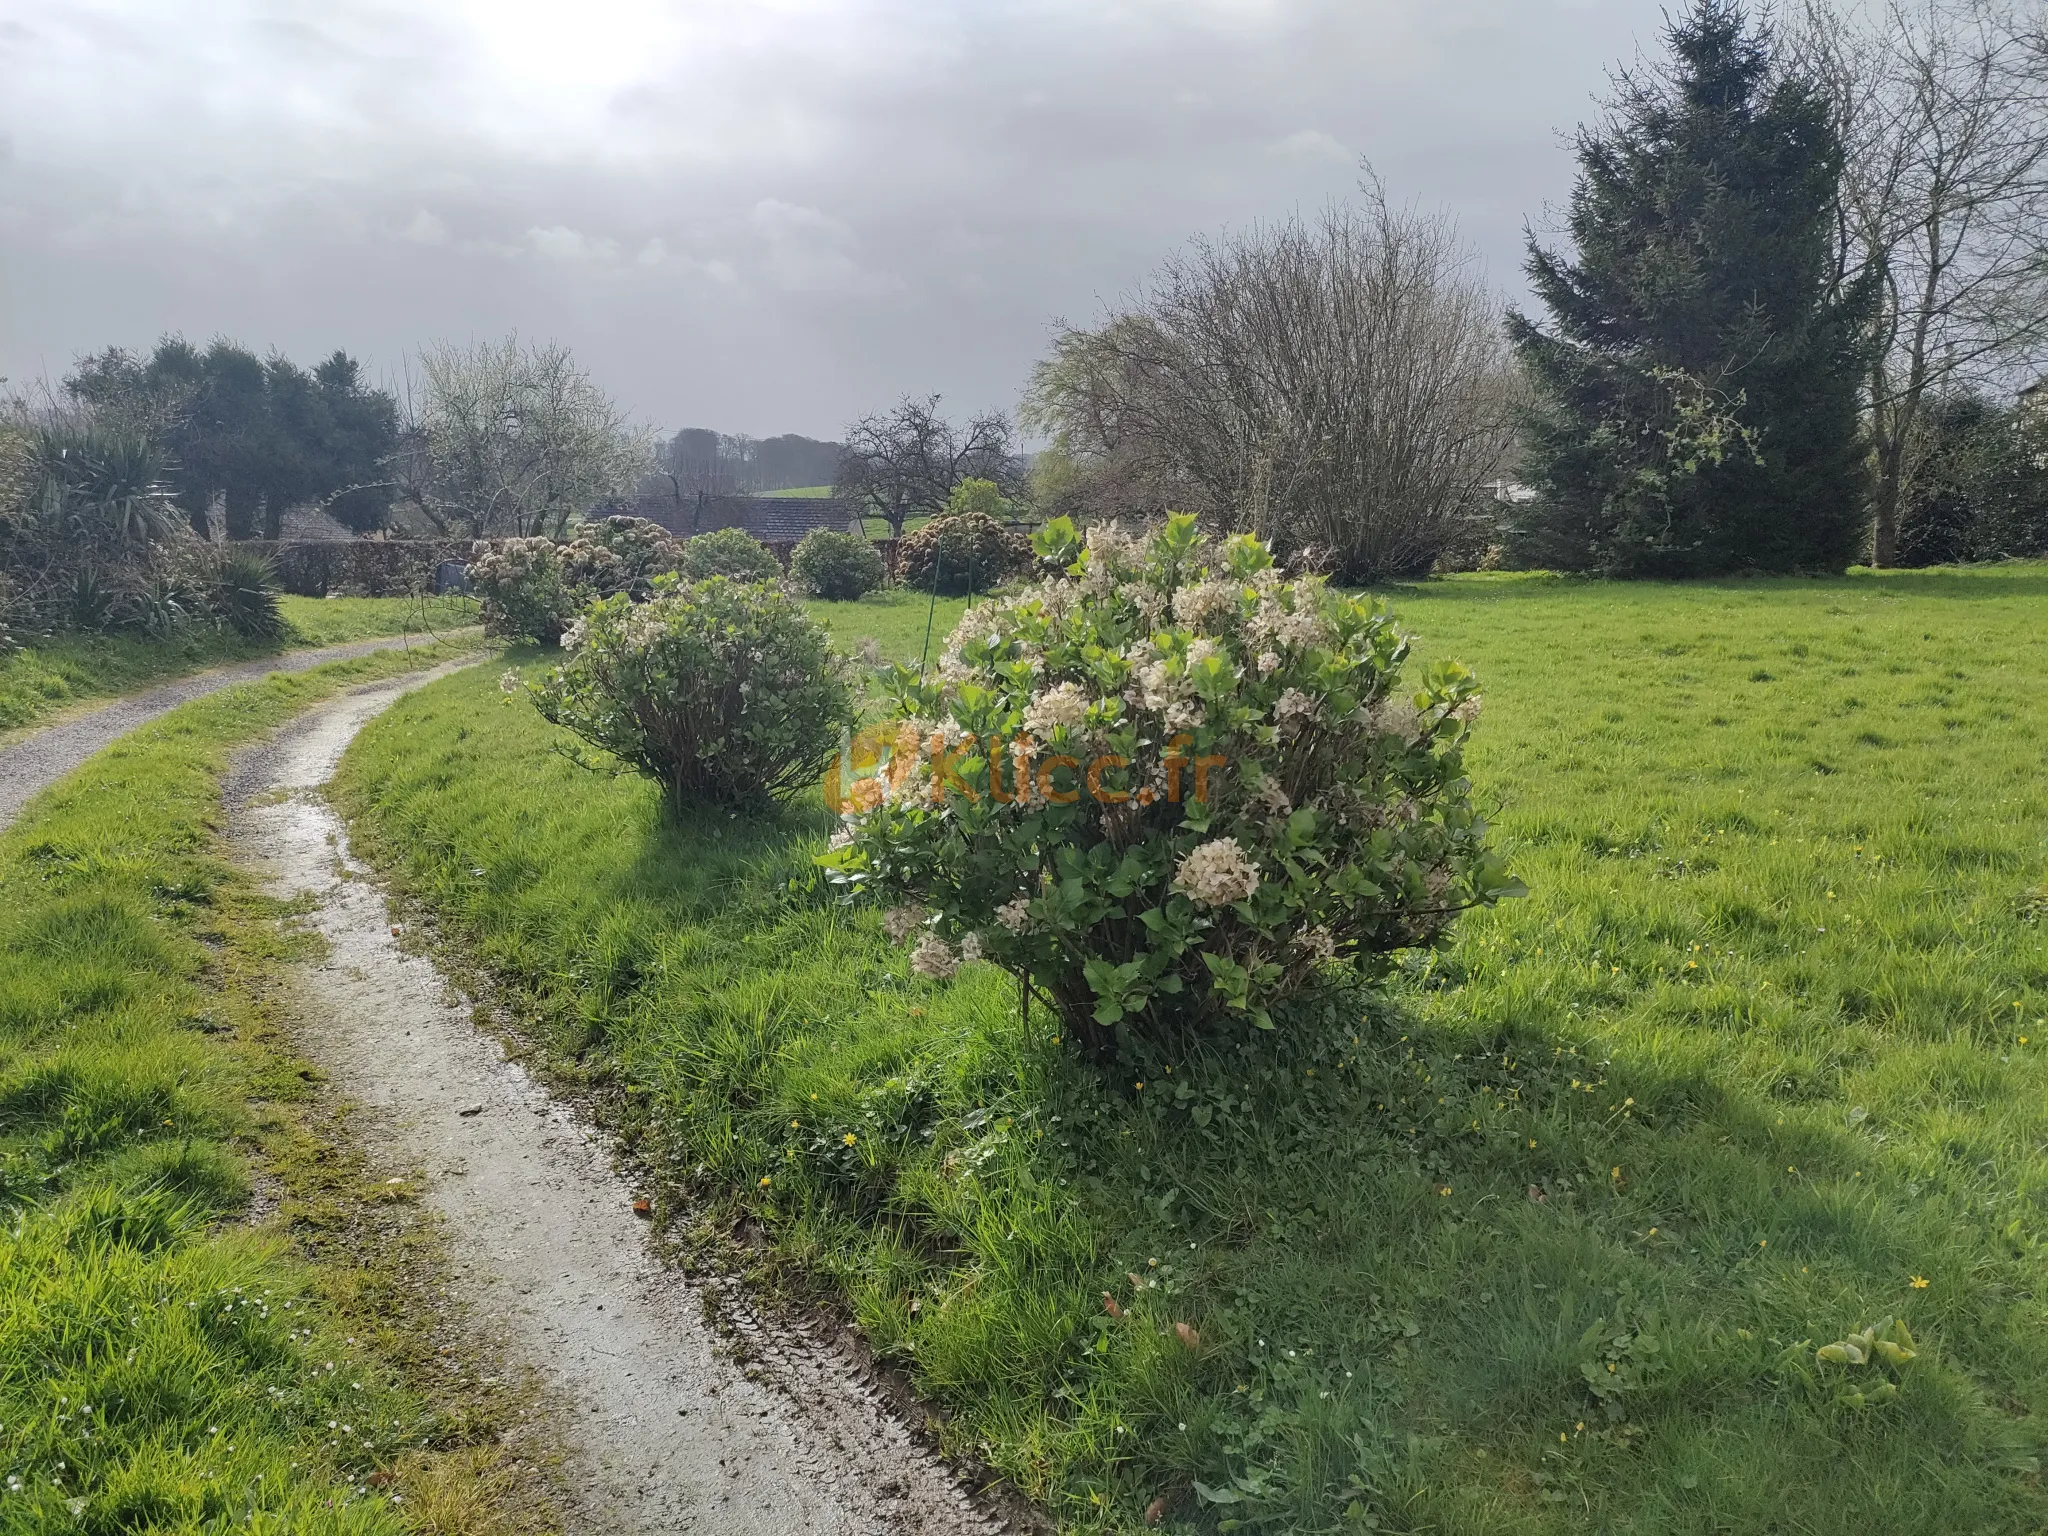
x: 1217, y: 873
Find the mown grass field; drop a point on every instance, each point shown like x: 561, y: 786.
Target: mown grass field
x: 163, y: 1367
x: 65, y: 669
x: 1543, y: 1234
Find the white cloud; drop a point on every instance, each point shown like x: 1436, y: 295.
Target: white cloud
x: 558, y: 242
x: 827, y: 202
x: 812, y: 252
x: 1314, y: 144
x: 425, y: 229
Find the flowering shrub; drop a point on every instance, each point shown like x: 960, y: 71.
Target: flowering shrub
x: 729, y: 552
x: 841, y: 566
x: 640, y: 551
x: 1169, y: 785
x: 532, y: 588
x: 720, y: 691
x: 962, y: 552
x: 524, y: 592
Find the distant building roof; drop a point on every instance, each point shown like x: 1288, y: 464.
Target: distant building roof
x: 771, y: 519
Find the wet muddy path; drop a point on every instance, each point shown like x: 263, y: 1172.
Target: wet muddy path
x: 661, y: 1431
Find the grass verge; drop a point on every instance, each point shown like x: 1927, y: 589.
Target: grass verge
x: 161, y: 1365
x: 66, y: 669
x: 1542, y: 1236
x: 904, y: 624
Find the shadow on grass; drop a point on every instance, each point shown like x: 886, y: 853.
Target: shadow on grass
x: 2018, y: 580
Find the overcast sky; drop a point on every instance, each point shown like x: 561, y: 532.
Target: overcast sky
x: 757, y: 215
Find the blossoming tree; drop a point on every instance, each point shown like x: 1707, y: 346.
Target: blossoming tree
x: 1169, y: 786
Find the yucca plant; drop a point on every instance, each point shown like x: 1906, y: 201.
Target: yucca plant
x: 240, y: 588
x: 103, y: 484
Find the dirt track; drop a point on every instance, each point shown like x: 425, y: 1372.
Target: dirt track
x: 39, y: 757
x: 662, y: 1433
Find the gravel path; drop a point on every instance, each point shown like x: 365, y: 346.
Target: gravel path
x: 662, y: 1432
x: 41, y: 757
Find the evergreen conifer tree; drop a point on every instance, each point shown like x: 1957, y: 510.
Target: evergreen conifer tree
x: 1696, y: 384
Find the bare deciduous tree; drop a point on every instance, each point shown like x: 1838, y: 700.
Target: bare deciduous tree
x: 1340, y: 386
x: 506, y: 438
x: 904, y: 463
x: 1944, y: 112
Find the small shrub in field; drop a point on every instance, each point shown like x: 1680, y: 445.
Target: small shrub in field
x: 840, y: 566
x: 525, y: 592
x: 729, y: 552
x: 1170, y: 785
x: 958, y: 554
x: 237, y: 589
x: 533, y: 588
x: 641, y: 550
x: 723, y: 692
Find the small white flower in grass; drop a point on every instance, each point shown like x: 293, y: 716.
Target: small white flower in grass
x: 901, y: 922
x: 508, y: 681
x: 934, y: 957
x: 1217, y: 874
x: 1015, y: 915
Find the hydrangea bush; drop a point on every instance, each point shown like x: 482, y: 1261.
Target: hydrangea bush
x: 960, y: 552
x: 840, y: 566
x: 1170, y: 785
x: 640, y: 551
x: 729, y: 552
x: 723, y: 692
x: 533, y: 588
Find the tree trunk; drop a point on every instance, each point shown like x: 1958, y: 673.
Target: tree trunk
x: 1884, y: 533
x: 241, y: 515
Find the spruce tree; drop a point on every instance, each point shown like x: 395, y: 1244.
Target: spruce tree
x: 1696, y: 383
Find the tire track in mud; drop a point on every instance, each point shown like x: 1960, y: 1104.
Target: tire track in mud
x: 660, y: 1431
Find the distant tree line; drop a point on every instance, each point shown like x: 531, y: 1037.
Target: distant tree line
x: 1802, y: 282
x: 1805, y: 268
x: 697, y: 460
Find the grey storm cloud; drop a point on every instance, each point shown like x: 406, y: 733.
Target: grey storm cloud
x: 759, y: 216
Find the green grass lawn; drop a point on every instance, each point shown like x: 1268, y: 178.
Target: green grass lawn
x: 69, y: 668
x: 1541, y: 1236
x: 905, y: 625
x: 162, y: 1366
x: 803, y: 493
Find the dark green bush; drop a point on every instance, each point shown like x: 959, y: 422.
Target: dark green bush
x: 962, y: 553
x: 840, y: 566
x: 722, y: 692
x: 729, y: 552
x: 1980, y: 493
